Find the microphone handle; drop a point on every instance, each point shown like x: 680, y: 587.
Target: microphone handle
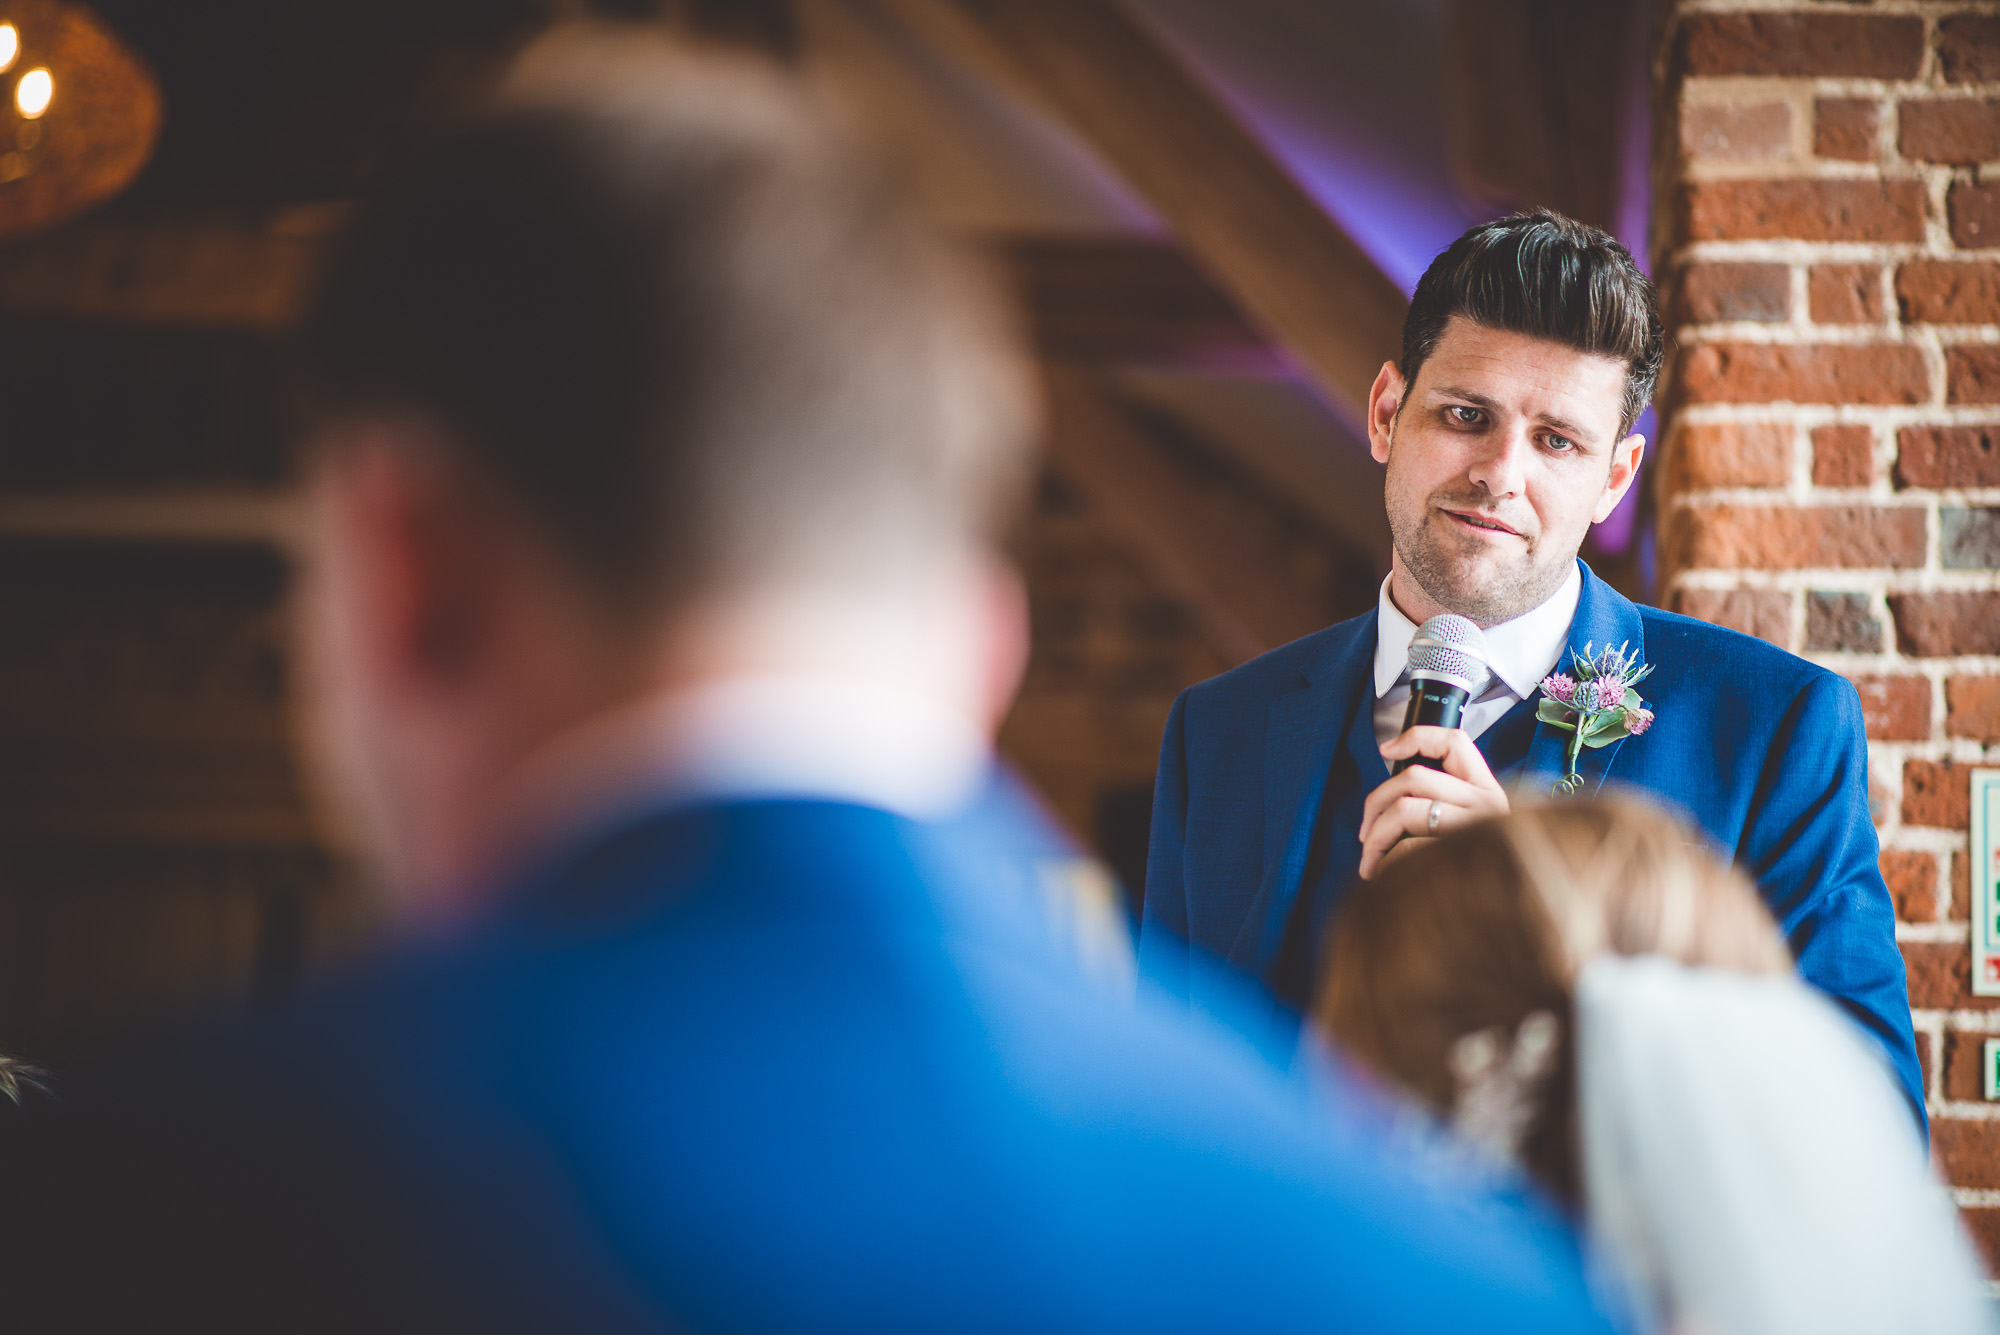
x: 1433, y: 704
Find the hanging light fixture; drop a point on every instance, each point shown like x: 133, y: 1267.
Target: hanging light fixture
x: 81, y: 117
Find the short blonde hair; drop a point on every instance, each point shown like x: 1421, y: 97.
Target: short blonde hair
x: 1484, y: 927
x: 687, y: 327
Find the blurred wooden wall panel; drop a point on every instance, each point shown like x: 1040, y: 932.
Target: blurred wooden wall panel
x: 156, y: 851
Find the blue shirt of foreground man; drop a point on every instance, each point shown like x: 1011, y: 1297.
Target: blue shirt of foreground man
x: 655, y: 633
x: 1530, y: 349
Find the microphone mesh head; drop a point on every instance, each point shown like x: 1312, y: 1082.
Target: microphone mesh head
x: 1450, y: 648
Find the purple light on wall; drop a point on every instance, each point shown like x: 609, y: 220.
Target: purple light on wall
x: 1615, y: 535
x: 1350, y: 98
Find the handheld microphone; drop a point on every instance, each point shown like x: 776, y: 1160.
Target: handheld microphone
x: 1447, y: 669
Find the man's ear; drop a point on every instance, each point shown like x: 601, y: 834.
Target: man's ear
x: 415, y: 539
x: 1004, y: 616
x: 1385, y: 398
x: 1625, y: 457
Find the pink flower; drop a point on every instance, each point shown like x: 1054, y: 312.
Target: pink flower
x: 1608, y: 692
x: 1638, y: 720
x: 1560, y: 686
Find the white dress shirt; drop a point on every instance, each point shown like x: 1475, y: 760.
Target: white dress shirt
x: 1521, y: 653
x: 745, y: 738
x: 812, y: 738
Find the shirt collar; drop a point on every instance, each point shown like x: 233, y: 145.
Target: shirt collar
x: 748, y: 738
x: 1521, y: 652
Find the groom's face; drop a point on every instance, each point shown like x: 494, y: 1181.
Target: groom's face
x: 1501, y: 455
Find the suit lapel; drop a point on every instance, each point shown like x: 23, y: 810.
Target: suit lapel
x: 1604, y: 617
x: 1303, y: 730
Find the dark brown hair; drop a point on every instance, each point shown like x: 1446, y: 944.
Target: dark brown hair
x: 1546, y: 276
x: 682, y: 325
x: 1480, y: 929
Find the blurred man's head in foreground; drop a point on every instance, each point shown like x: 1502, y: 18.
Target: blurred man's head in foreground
x: 639, y: 375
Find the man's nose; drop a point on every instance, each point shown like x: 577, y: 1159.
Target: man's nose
x: 1501, y: 467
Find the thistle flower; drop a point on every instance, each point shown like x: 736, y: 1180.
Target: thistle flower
x: 1588, y: 702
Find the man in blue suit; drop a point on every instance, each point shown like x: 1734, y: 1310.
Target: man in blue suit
x: 1531, y: 347
x: 657, y: 637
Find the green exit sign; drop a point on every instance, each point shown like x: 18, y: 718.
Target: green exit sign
x: 1992, y: 1067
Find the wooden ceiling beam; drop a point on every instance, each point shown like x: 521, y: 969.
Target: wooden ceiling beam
x: 165, y: 273
x: 1235, y: 208
x: 1115, y: 299
x: 765, y: 27
x: 1244, y: 598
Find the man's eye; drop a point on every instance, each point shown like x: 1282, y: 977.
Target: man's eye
x: 1560, y: 444
x: 1465, y: 416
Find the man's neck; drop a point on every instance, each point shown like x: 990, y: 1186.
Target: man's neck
x: 1413, y: 602
x: 855, y: 699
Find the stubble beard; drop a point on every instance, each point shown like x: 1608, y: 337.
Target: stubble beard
x: 1505, y: 593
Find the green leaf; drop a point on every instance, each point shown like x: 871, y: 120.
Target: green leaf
x: 1632, y: 700
x: 1609, y: 735
x: 1554, y: 712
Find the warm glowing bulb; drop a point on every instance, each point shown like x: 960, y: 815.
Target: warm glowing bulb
x: 10, y: 45
x: 33, y: 94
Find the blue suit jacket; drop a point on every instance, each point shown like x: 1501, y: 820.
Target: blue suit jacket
x: 776, y: 1066
x: 1264, y: 770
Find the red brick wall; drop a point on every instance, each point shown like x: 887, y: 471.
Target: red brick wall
x: 1828, y: 236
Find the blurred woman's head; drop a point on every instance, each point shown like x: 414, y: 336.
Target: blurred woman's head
x: 1451, y: 974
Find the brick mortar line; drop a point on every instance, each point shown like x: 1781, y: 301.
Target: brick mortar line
x: 1895, y: 754
x: 1751, y: 250
x: 1893, y: 415
x: 1968, y: 1022
x: 1920, y: 8
x: 1773, y: 333
x: 1810, y: 493
x: 1859, y: 579
x: 1854, y: 579
x: 1963, y: 750
x: 1934, y: 933
x: 1702, y: 171
x: 1796, y: 249
x: 1934, y: 1028
x: 1850, y: 663
x: 1737, y: 88
x: 1812, y: 496
x: 1832, y: 498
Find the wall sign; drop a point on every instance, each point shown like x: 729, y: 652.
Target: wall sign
x: 1986, y: 882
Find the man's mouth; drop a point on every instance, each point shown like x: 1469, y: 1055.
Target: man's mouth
x: 1472, y: 519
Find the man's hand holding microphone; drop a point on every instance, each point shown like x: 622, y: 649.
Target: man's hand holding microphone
x: 1438, y: 779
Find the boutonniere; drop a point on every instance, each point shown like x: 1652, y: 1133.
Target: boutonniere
x: 1595, y: 701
